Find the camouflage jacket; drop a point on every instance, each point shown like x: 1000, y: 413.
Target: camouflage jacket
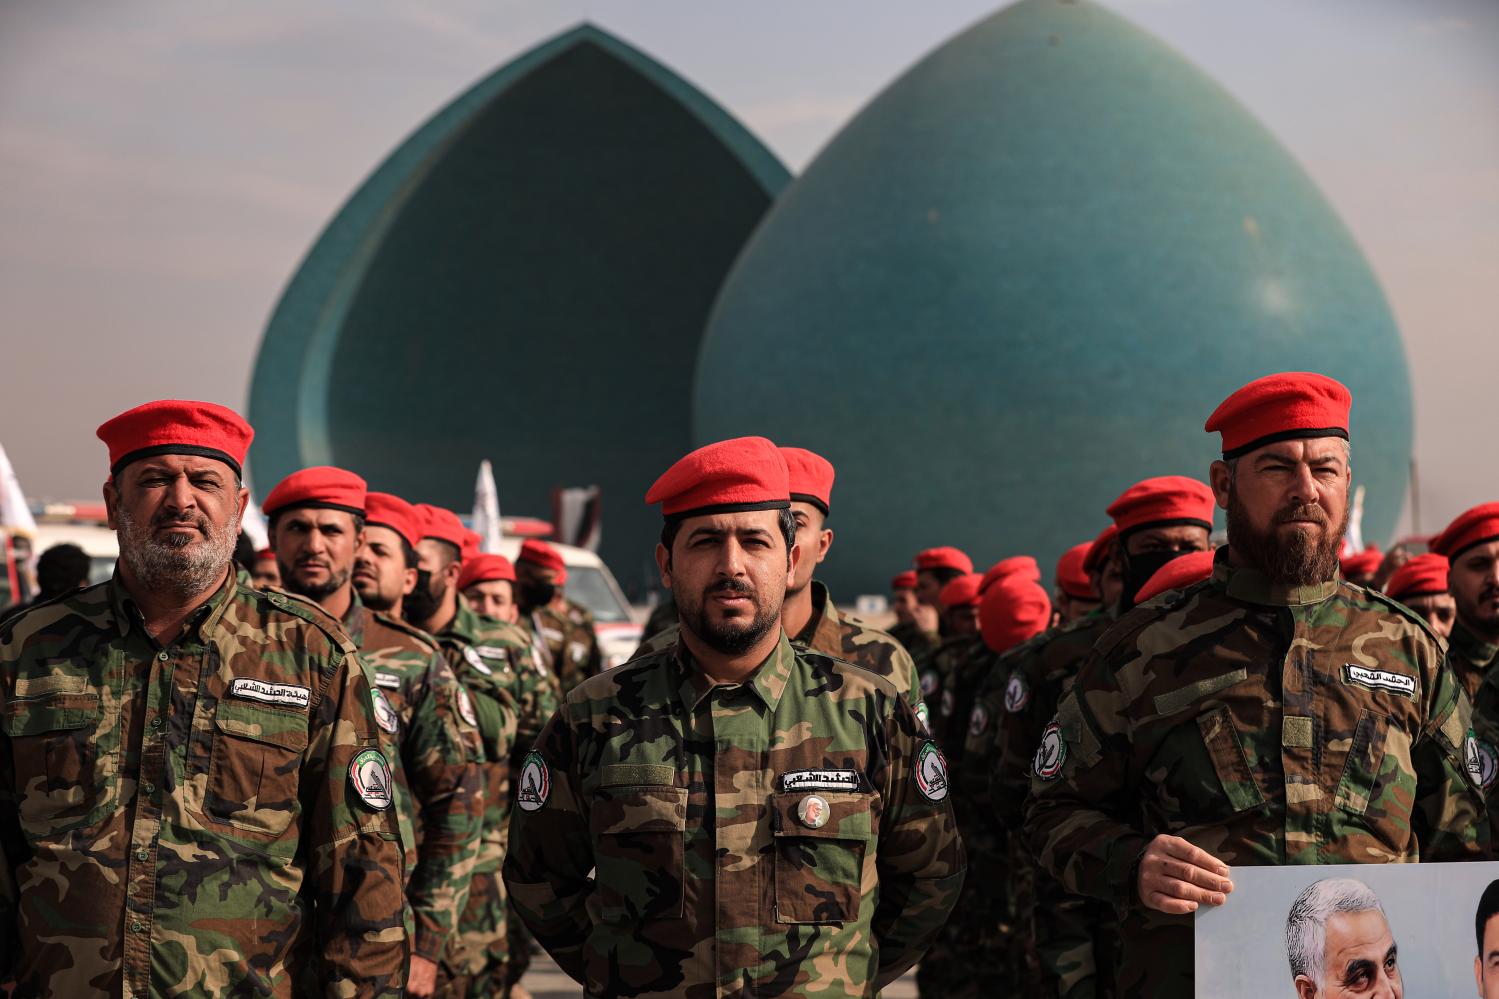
x: 842, y: 636
x: 571, y: 642
x: 1266, y: 725
x: 939, y: 670
x: 433, y: 724
x: 212, y: 815
x: 915, y: 641
x: 785, y: 836
x: 1472, y: 660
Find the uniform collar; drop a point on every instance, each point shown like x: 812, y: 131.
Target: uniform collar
x: 1468, y: 647
x: 465, y: 623
x: 354, y: 619
x: 823, y: 630
x: 200, y: 622
x: 768, y: 681
x: 1254, y: 587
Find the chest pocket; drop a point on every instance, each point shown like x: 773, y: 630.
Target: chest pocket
x: 1202, y: 772
x: 55, y: 754
x: 819, y: 854
x: 255, y: 769
x: 1366, y: 780
x: 638, y: 835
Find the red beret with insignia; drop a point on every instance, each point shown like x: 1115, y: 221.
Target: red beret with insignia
x: 442, y: 525
x: 176, y: 426
x: 321, y: 486
x: 1364, y: 563
x: 961, y: 592
x: 904, y: 580
x: 485, y: 569
x: 385, y: 510
x: 1472, y: 527
x: 1022, y: 566
x: 542, y: 554
x: 1288, y: 406
x: 1072, y: 578
x: 1099, y: 550
x: 943, y: 558
x: 746, y: 473
x: 1012, y: 611
x: 1422, y: 576
x: 1166, y: 499
x: 810, y: 478
x: 1184, y: 570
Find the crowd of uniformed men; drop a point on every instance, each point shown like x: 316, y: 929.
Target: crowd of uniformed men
x: 377, y: 761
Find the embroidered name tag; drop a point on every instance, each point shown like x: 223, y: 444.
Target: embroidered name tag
x: 270, y: 693
x: 388, y: 680
x: 822, y: 780
x: 1379, y: 679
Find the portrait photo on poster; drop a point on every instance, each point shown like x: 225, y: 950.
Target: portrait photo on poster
x: 1323, y: 932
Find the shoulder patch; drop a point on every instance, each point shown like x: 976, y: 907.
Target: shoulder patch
x: 385, y: 715
x: 472, y: 657
x: 535, y: 784
x: 369, y: 776
x: 1017, y: 693
x: 1051, y: 753
x: 466, y: 708
x: 931, y: 772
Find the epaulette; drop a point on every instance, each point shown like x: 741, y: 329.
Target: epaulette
x: 883, y: 682
x: 407, y: 628
x: 311, y: 612
x: 1390, y: 603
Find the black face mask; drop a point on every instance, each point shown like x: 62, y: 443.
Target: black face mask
x: 535, y: 593
x: 1139, y: 568
x: 420, y: 604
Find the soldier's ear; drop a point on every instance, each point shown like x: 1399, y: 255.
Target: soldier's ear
x: 1220, y: 477
x: 793, y: 559
x: 111, y: 499
x: 663, y: 564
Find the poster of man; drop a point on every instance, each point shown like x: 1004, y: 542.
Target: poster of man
x: 1366, y: 930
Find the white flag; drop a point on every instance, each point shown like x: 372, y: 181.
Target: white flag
x: 1353, y: 541
x: 14, y: 513
x: 253, y: 523
x: 486, y: 520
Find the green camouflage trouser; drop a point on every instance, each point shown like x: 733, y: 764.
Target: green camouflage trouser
x: 476, y: 963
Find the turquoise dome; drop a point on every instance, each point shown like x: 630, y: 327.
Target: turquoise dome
x: 1020, y: 280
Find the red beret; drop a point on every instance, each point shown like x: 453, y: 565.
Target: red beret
x: 1184, y: 570
x: 746, y: 473
x: 266, y: 555
x: 943, y: 558
x: 1099, y: 549
x: 810, y: 477
x: 485, y: 569
x: 1072, y: 578
x: 1421, y: 576
x: 1012, y: 611
x: 1472, y: 527
x: 1287, y: 406
x: 542, y: 554
x: 441, y: 525
x: 385, y: 510
x: 904, y: 581
x: 1021, y: 566
x: 1166, y: 499
x: 472, y: 542
x: 321, y: 486
x: 1362, y: 563
x: 176, y: 426
x: 961, y: 592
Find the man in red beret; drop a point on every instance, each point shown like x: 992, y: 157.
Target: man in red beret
x: 1360, y: 568
x: 513, y: 697
x: 487, y: 583
x: 1074, y: 595
x: 935, y: 568
x: 1275, y: 714
x: 1421, y: 584
x: 903, y: 600
x: 563, y: 627
x: 683, y: 824
x: 808, y: 614
x: 193, y: 770
x: 1471, y: 546
x: 319, y: 530
x: 265, y: 571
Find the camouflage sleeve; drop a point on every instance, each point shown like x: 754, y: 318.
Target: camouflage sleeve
x: 974, y: 770
x: 1080, y: 788
x: 1027, y: 708
x: 537, y: 699
x: 355, y: 859
x: 551, y: 853
x: 445, y: 781
x: 920, y: 858
x: 1448, y: 815
x: 901, y: 664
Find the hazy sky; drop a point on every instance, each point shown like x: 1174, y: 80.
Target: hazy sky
x: 164, y: 166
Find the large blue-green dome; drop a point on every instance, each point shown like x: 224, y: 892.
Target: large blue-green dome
x: 1020, y: 280
x: 526, y: 279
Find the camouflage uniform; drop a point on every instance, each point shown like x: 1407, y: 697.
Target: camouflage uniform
x: 842, y: 636
x: 718, y: 875
x: 572, y: 644
x: 439, y: 786
x: 915, y: 641
x: 1266, y: 725
x: 493, y: 661
x: 1472, y: 660
x: 208, y: 816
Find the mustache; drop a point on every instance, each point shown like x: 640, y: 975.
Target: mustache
x: 303, y: 561
x: 1310, y: 511
x: 736, y: 586
x: 198, y: 521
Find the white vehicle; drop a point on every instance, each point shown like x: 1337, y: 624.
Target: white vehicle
x: 591, y: 585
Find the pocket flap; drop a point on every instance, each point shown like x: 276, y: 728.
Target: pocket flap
x: 618, y: 810
x: 287, y: 729
x: 53, y: 713
x: 847, y: 814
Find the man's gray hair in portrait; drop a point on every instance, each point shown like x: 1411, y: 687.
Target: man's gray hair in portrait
x: 1306, y: 923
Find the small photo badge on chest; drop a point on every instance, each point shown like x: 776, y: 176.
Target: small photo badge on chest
x: 535, y: 783
x: 812, y: 812
x: 385, y: 715
x: 931, y: 772
x: 1017, y: 693
x: 466, y: 708
x: 370, y: 776
x: 476, y: 661
x: 1050, y: 753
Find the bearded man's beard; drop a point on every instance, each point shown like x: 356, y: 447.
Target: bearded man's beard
x: 729, y: 637
x: 421, y: 603
x: 1295, y: 558
x: 179, y: 563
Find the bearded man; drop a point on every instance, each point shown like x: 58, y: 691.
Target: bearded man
x: 1271, y: 714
